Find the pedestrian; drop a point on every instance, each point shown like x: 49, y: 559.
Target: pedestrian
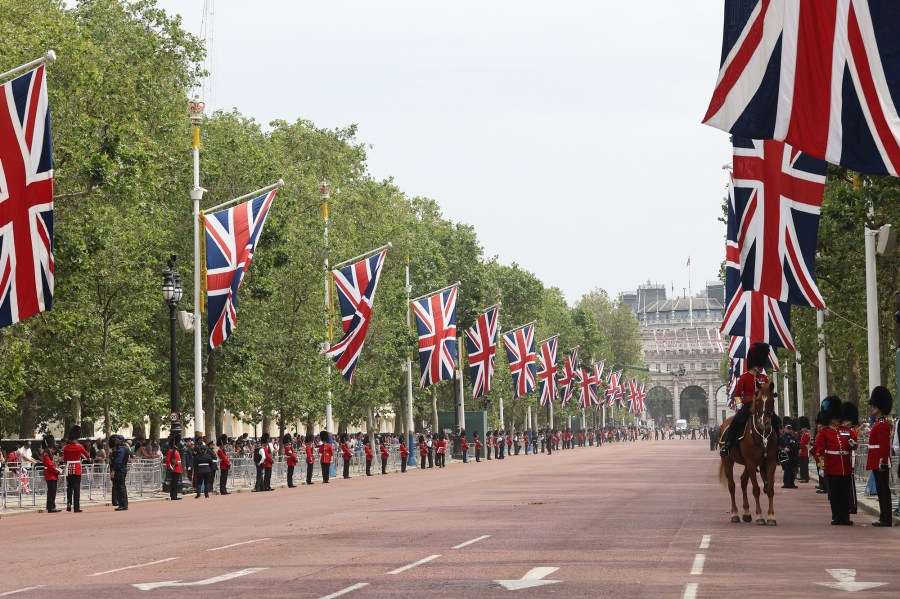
x: 73, y: 453
x: 290, y: 459
x: 423, y: 452
x: 346, y: 454
x: 174, y: 467
x: 118, y: 471
x: 310, y: 457
x: 878, y: 457
x: 463, y: 446
x: 187, y: 459
x: 548, y: 441
x: 833, y: 454
x: 429, y: 445
x: 382, y: 448
x: 788, y: 442
x: 224, y: 465
x: 478, y: 446
x: 268, y: 462
x: 404, y: 454
x: 203, y: 469
x: 51, y: 473
x: 803, y: 454
x: 326, y: 453
x: 368, y: 450
x: 259, y: 458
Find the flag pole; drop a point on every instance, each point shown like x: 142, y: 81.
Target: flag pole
x: 252, y: 194
x: 50, y: 56
x: 325, y: 194
x: 441, y: 290
x: 547, y: 339
x: 386, y: 246
x: 522, y: 327
x: 411, y: 461
x: 196, y: 115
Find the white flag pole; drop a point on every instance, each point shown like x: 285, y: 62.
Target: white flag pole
x: 196, y: 110
x: 50, y: 56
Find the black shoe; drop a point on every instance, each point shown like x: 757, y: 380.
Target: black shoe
x: 880, y: 523
x: 225, y: 493
x: 121, y: 509
x: 174, y: 498
x: 78, y: 511
x: 68, y: 508
x: 821, y: 491
x: 847, y: 523
x: 197, y: 496
x: 53, y: 511
x: 789, y: 487
x: 370, y: 475
x: 310, y: 483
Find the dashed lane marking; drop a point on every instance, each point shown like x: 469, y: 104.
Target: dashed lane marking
x: 704, y: 544
x: 355, y: 587
x: 690, y: 590
x: 697, y: 568
x: 7, y: 593
x: 414, y: 564
x: 168, y: 559
x: 461, y: 545
x: 241, y: 543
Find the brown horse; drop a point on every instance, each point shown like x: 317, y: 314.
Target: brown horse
x: 758, y: 447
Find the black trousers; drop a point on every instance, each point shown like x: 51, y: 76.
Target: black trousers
x: 803, y: 468
x: 489, y: 451
x: 309, y: 473
x: 422, y: 460
x: 738, y: 423
x: 790, y: 469
x: 839, y: 496
x: 290, y: 476
x: 882, y: 487
x: 549, y: 448
x: 223, y: 481
x: 477, y: 455
x: 326, y: 471
x: 205, y: 481
x: 431, y: 459
x: 346, y: 468
x: 73, y: 491
x: 403, y: 464
x: 260, y: 478
x: 368, y: 468
x: 120, y: 493
x: 441, y: 460
x: 267, y: 478
x: 384, y: 465
x: 174, y: 484
x: 51, y: 494
x: 465, y: 456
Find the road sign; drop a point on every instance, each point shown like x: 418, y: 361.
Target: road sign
x: 149, y: 586
x: 531, y: 579
x: 846, y: 581
x: 174, y: 417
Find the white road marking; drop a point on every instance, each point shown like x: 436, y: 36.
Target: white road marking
x: 481, y: 538
x: 168, y: 559
x: 241, y: 543
x: 690, y: 590
x: 704, y: 544
x: 531, y: 579
x: 697, y: 568
x: 149, y: 586
x: 414, y: 564
x: 358, y: 585
x: 7, y: 593
x: 846, y: 581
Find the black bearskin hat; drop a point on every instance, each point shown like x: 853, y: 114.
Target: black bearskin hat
x: 758, y: 355
x: 49, y: 441
x: 787, y: 421
x: 850, y: 412
x: 286, y: 439
x: 75, y: 432
x: 323, y: 435
x: 264, y: 438
x: 803, y: 422
x: 831, y: 409
x: 882, y: 399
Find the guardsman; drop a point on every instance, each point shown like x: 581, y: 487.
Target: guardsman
x: 326, y: 453
x: 173, y: 467
x: 878, y: 458
x: 488, y: 444
x: 51, y: 473
x: 310, y: 457
x: 423, y: 452
x: 509, y: 443
x: 290, y: 459
x: 382, y: 449
x: 73, y: 453
x: 440, y: 450
x: 404, y: 454
x: 268, y: 462
x: 803, y: 455
x: 224, y: 465
x: 850, y: 418
x: 833, y: 452
x: 368, y: 450
x: 477, y: 446
x: 346, y: 454
x: 464, y: 446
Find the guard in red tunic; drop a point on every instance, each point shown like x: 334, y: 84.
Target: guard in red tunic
x: 326, y: 453
x: 464, y: 446
x: 382, y: 450
x: 268, y: 461
x: 73, y: 453
x: 404, y: 454
x: 224, y: 465
x: 346, y: 455
x: 51, y: 473
x: 423, y: 451
x: 878, y: 458
x: 440, y: 450
x: 850, y: 418
x: 478, y: 446
x: 173, y: 467
x: 290, y: 459
x: 509, y: 442
x: 834, y: 460
x: 488, y: 443
x: 368, y: 450
x: 310, y: 457
x: 803, y: 456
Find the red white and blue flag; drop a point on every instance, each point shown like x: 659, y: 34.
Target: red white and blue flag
x: 436, y: 325
x: 567, y: 380
x: 738, y: 348
x: 589, y: 381
x: 520, y: 352
x: 481, y: 345
x: 26, y: 198
x: 356, y: 285
x: 547, y: 382
x: 822, y: 75
x: 612, y: 387
x: 231, y: 237
x: 735, y: 370
x: 641, y: 400
x: 621, y: 390
x: 778, y: 195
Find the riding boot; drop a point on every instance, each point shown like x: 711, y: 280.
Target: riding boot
x: 725, y: 449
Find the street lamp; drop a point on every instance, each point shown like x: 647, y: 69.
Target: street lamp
x: 172, y: 293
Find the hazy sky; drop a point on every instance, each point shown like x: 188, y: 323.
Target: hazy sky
x: 568, y: 133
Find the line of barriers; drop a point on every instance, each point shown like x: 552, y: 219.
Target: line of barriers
x: 27, y: 489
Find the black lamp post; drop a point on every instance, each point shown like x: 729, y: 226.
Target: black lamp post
x: 172, y: 292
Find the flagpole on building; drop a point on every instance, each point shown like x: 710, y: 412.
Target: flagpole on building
x: 411, y: 461
x: 325, y: 194
x: 50, y: 56
x: 196, y: 114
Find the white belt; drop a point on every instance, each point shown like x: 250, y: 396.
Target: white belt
x: 874, y: 446
x: 829, y: 452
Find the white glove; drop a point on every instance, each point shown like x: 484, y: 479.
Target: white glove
x: 821, y: 473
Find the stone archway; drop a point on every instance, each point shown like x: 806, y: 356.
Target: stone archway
x: 694, y: 404
x: 659, y: 404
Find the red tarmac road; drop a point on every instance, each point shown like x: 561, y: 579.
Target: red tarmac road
x: 624, y: 520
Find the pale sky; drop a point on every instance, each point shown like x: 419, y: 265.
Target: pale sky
x: 567, y: 132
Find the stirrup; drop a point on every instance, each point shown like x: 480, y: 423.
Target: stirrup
x: 724, y: 451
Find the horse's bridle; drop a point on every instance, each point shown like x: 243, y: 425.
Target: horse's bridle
x: 757, y: 420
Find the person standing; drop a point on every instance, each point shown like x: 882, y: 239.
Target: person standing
x: 464, y: 446
x: 789, y: 443
x: 382, y: 448
x: 368, y: 450
x: 440, y: 449
x: 489, y: 444
x: 429, y: 444
x: 423, y: 452
x: 878, y: 458
x: 173, y: 467
x: 118, y: 466
x: 203, y: 469
x: 850, y: 418
x: 73, y: 453
x: 803, y: 454
x: 833, y: 455
x: 346, y: 454
x: 224, y: 465
x: 290, y: 459
x: 404, y: 454
x: 310, y: 457
x: 51, y: 473
x: 548, y: 441
x: 478, y: 446
x: 259, y: 457
x: 326, y: 453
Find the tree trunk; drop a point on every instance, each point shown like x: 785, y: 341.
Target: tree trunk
x: 28, y: 419
x: 107, y: 421
x: 310, y: 424
x: 220, y: 424
x: 281, y: 426
x: 154, y: 427
x: 266, y: 423
x: 370, y: 427
x: 74, y: 410
x: 853, y: 377
x: 434, y: 410
x: 137, y: 429
x: 209, y: 396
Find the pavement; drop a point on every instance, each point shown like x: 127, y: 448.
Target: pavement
x: 645, y: 519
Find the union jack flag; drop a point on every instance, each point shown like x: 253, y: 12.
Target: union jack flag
x: 612, y: 387
x: 520, y: 352
x: 588, y: 379
x: 598, y: 371
x: 621, y: 390
x: 807, y: 72
x: 547, y: 374
x: 632, y: 396
x: 567, y: 380
x: 436, y: 324
x: 641, y: 398
x: 355, y: 286
x: 735, y: 370
x: 777, y: 201
x: 231, y: 237
x: 26, y: 199
x: 481, y: 344
x: 739, y: 348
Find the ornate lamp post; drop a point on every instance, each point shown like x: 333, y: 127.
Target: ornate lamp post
x: 172, y: 293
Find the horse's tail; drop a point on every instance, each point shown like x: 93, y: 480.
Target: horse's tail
x: 722, y: 476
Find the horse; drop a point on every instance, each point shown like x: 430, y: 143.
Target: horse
x: 758, y: 446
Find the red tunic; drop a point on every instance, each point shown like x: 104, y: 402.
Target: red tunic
x: 477, y: 445
x: 831, y: 448
x: 463, y: 444
x: 173, y: 461
x: 440, y: 447
x: 290, y: 455
x: 326, y: 451
x: 423, y: 451
x: 74, y: 452
x: 404, y: 452
x: 384, y: 451
x: 368, y: 450
x: 51, y: 472
x: 879, y: 445
x: 345, y: 452
x: 310, y: 458
x: 804, y: 445
x: 224, y: 462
